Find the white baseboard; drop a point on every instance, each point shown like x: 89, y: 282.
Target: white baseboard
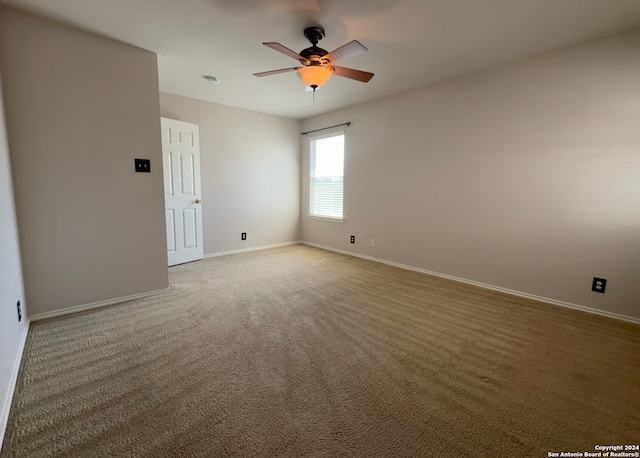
x: 245, y: 250
x: 547, y: 300
x: 6, y: 407
x: 94, y: 305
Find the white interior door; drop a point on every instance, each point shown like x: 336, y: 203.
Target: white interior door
x: 182, y: 190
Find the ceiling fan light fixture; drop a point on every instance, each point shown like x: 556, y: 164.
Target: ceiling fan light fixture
x: 314, y: 75
x: 317, y: 64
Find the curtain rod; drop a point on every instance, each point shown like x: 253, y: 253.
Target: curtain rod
x: 325, y: 128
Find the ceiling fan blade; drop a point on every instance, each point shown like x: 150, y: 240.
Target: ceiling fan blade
x: 357, y: 75
x: 275, y: 72
x: 284, y: 50
x: 351, y: 49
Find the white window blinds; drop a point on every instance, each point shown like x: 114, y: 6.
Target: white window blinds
x: 327, y: 176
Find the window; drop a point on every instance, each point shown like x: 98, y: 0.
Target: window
x: 327, y: 176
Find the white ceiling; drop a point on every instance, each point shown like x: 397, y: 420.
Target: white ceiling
x: 411, y: 43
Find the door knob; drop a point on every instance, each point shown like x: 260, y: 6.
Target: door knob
x: 198, y: 201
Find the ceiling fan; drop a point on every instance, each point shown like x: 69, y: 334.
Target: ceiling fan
x: 317, y: 64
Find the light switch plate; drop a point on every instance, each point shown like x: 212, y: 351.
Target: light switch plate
x: 143, y: 165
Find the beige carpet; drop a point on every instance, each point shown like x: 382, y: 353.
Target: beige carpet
x: 297, y: 351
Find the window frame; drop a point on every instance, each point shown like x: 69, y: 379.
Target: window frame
x: 311, y: 139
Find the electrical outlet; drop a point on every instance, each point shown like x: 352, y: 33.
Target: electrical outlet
x: 373, y: 242
x: 352, y: 239
x: 19, y: 311
x: 243, y: 236
x: 598, y: 285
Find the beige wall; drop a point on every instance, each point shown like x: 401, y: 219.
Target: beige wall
x: 12, y: 332
x: 79, y: 109
x: 250, y: 173
x: 525, y: 177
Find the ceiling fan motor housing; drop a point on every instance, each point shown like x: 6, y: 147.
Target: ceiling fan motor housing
x: 314, y: 54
